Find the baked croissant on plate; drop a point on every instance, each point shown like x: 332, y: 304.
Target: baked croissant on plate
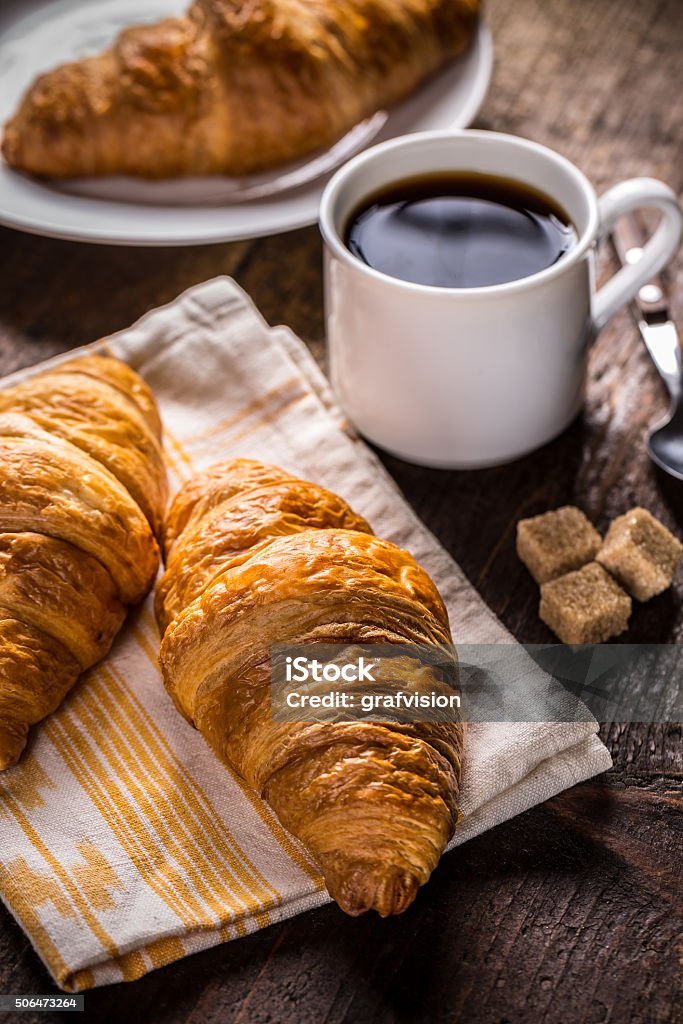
x: 234, y: 87
x: 82, y: 494
x: 256, y: 557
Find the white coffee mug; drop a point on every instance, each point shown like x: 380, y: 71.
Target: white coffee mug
x: 469, y: 377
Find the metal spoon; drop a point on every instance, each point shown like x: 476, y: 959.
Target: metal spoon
x: 651, y: 313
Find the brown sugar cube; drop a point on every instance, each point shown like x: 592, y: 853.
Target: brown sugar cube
x: 585, y: 607
x: 556, y: 542
x: 641, y: 553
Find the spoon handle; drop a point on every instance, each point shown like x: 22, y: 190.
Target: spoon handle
x: 651, y: 308
x: 629, y: 237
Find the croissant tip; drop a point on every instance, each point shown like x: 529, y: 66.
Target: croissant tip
x: 10, y: 145
x: 12, y: 744
x: 387, y: 890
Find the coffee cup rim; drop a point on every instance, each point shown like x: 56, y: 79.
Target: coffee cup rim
x: 333, y: 239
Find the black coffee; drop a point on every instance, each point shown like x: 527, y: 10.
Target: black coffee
x: 460, y: 231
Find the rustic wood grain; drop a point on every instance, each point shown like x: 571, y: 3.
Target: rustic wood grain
x: 570, y: 913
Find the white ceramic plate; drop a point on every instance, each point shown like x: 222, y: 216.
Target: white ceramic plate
x: 36, y: 35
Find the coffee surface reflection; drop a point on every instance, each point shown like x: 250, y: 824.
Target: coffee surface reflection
x: 459, y: 231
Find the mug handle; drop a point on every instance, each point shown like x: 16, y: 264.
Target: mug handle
x: 626, y: 283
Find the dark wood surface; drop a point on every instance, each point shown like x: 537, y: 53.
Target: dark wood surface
x: 569, y: 913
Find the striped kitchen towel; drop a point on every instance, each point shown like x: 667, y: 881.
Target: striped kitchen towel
x: 125, y: 843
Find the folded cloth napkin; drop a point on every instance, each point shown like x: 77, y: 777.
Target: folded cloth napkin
x: 125, y: 843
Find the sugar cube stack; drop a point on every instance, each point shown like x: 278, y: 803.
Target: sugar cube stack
x: 584, y: 580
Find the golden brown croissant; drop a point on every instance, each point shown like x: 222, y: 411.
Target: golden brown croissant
x: 257, y: 558
x: 82, y: 492
x: 235, y: 87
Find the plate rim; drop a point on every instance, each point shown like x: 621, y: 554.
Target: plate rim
x: 183, y: 235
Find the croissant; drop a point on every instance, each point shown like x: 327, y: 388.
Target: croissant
x: 234, y: 87
x: 82, y: 494
x: 256, y: 557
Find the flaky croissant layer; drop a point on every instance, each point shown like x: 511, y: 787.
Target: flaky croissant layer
x: 82, y: 492
x: 257, y: 557
x: 234, y: 87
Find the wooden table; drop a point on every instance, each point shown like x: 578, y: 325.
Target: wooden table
x: 571, y: 912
